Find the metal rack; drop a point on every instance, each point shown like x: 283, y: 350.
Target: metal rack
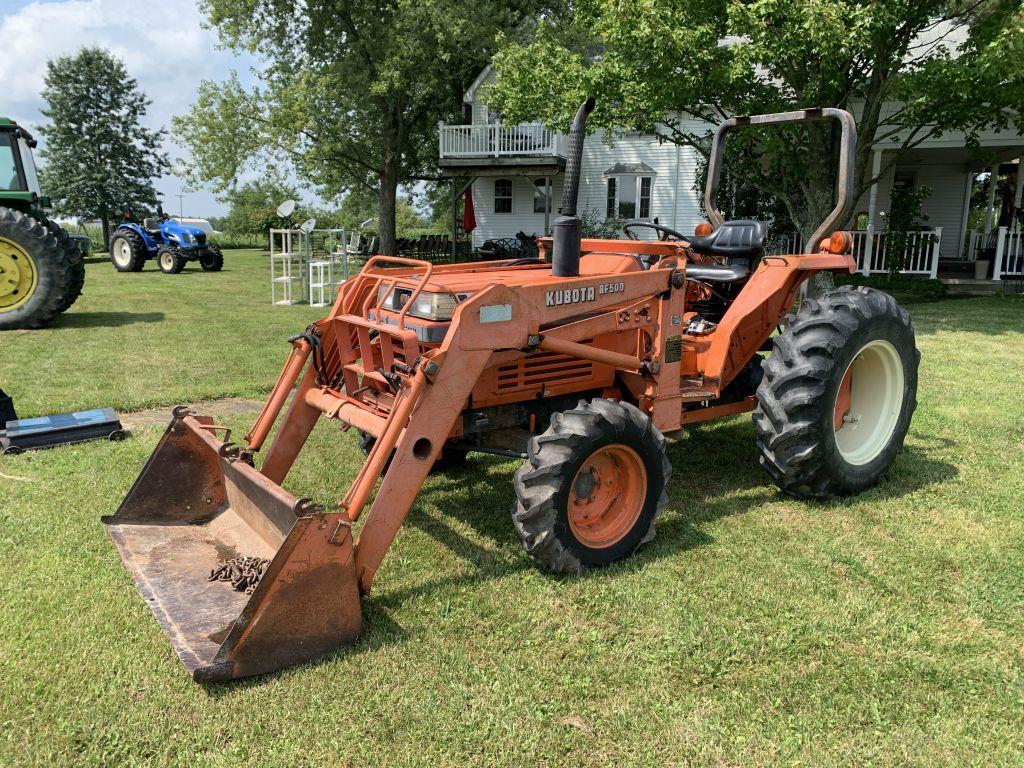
x: 308, y: 265
x: 288, y: 257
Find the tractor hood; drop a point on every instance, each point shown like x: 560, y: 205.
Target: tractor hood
x: 184, y: 233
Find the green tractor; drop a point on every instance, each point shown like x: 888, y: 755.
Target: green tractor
x: 41, y: 267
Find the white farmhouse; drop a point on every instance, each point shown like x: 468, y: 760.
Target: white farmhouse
x: 514, y: 175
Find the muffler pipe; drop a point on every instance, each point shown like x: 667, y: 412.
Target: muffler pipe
x: 567, y: 231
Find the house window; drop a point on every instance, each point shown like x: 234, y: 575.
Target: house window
x: 503, y: 195
x: 629, y: 196
x: 541, y: 196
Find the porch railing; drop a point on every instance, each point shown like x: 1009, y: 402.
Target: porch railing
x: 499, y: 140
x: 920, y: 251
x: 872, y: 250
x: 1003, y: 246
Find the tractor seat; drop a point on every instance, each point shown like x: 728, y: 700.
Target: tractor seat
x: 740, y: 241
x: 717, y: 273
x: 150, y: 224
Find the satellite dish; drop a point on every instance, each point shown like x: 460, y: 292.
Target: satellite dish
x: 286, y: 209
x: 308, y: 225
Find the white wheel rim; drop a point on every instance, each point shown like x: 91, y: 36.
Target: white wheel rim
x: 123, y: 253
x: 876, y: 400
x: 166, y: 260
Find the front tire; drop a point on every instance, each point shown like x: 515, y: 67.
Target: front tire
x: 170, y: 261
x: 212, y: 260
x: 838, y: 394
x: 127, y: 251
x: 591, y: 487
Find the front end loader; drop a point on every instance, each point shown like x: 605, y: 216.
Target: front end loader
x: 579, y: 361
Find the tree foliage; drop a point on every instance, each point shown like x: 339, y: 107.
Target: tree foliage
x: 252, y: 207
x: 907, y: 70
x: 349, y: 94
x: 100, y: 159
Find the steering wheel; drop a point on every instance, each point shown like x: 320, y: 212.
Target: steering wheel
x: 664, y: 233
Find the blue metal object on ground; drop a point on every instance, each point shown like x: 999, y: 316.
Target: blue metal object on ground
x: 48, y: 431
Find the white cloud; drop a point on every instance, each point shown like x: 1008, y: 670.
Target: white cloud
x: 163, y: 45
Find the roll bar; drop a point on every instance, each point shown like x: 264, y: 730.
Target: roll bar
x: 844, y: 184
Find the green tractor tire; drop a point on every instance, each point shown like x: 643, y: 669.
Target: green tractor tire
x: 74, y: 256
x: 36, y: 275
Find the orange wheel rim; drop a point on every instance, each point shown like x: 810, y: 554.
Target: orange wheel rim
x: 844, y: 398
x: 607, y: 496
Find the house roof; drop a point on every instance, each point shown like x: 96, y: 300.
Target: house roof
x: 625, y: 169
x: 470, y: 94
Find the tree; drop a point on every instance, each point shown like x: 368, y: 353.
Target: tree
x: 100, y: 159
x: 908, y: 71
x: 350, y: 94
x: 252, y: 207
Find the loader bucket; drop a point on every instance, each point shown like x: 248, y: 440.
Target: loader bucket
x: 197, y: 504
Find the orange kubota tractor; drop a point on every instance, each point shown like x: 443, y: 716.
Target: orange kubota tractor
x: 579, y: 364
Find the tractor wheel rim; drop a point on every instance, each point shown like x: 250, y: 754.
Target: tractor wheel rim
x: 18, y: 276
x: 607, y: 496
x: 122, y: 253
x: 868, y: 402
x: 166, y: 260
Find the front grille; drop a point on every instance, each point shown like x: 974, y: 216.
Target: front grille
x: 542, y: 368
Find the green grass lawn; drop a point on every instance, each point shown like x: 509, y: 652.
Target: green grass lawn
x: 755, y: 630
x: 144, y: 339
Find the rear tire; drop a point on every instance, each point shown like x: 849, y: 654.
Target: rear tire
x: 73, y: 255
x: 127, y: 251
x: 170, y: 261
x: 212, y: 260
x: 591, y: 487
x: 35, y: 274
x: 838, y: 394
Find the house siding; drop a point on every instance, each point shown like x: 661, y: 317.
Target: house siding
x: 674, y: 202
x: 943, y: 207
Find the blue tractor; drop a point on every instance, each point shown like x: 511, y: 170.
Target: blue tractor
x: 170, y: 242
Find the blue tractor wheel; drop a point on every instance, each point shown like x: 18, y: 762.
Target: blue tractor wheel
x: 170, y: 261
x: 127, y: 251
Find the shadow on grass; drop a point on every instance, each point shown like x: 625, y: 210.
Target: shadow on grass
x: 107, y: 319
x: 715, y: 474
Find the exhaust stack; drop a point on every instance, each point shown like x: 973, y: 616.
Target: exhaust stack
x: 565, y: 248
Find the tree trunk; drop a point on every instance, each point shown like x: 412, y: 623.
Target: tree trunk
x: 386, y: 202
x: 390, y: 158
x: 105, y: 222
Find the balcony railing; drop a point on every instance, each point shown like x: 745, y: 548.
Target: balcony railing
x: 524, y: 139
x: 873, y: 251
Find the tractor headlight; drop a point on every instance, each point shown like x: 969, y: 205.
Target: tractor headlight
x: 427, y: 306
x: 186, y: 238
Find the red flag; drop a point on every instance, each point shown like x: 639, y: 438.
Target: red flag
x: 468, y: 214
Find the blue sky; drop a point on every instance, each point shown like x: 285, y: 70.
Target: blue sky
x: 163, y: 45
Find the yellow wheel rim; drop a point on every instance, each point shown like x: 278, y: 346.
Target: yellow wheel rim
x: 18, y: 275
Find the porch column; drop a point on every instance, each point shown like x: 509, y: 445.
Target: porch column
x: 455, y: 214
x: 869, y: 240
x: 547, y: 205
x: 990, y: 210
x: 966, y: 215
x: 1019, y: 191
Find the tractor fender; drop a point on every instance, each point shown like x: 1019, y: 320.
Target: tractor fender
x: 151, y: 244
